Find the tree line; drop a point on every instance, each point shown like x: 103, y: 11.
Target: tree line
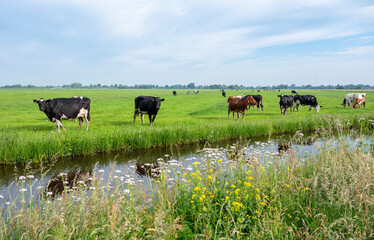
x: 193, y: 86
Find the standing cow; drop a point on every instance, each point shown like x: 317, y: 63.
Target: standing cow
x: 239, y: 104
x: 285, y: 102
x: 305, y: 100
x: 258, y: 99
x: 223, y: 93
x: 293, y: 91
x: 175, y: 93
x: 147, y: 105
x: 57, y: 109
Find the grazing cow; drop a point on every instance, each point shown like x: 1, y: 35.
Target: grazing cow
x: 188, y: 92
x: 349, y: 99
x: 175, y: 93
x: 57, y: 109
x: 258, y: 90
x: 223, y: 93
x: 258, y: 99
x: 196, y: 91
x: 293, y: 92
x: 147, y: 105
x: 305, y: 100
x: 239, y: 104
x: 286, y: 101
x: 360, y: 100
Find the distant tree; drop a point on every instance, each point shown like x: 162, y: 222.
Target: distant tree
x: 191, y: 85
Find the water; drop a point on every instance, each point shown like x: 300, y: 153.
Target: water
x: 50, y: 177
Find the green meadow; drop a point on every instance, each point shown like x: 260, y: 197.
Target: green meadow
x: 27, y: 135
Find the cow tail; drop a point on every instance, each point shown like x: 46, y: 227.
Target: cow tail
x: 89, y: 115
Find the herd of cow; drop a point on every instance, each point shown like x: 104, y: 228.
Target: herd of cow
x: 72, y: 108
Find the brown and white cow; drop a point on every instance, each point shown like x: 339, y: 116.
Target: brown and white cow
x: 239, y: 105
x: 360, y: 100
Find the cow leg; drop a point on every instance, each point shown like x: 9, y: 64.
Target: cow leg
x: 243, y: 115
x: 228, y: 115
x: 135, y: 116
x: 80, y: 123
x: 59, y: 123
x: 87, y: 121
x: 150, y: 120
x: 310, y: 108
x: 153, y: 119
x: 142, y: 117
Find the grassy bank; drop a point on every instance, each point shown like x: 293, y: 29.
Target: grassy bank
x: 324, y: 196
x: 25, y: 133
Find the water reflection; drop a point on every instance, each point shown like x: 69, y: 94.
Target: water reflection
x: 60, y: 182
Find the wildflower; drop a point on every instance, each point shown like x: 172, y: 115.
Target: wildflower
x: 192, y: 201
x: 30, y: 176
x: 92, y: 188
x: 126, y: 191
x: 210, y: 177
x: 80, y: 182
x: 101, y: 170
x: 7, y: 203
x: 233, y: 186
x: 49, y: 193
x: 204, y: 209
x: 22, y: 178
x: 210, y: 170
x: 257, y: 189
x: 23, y: 190
x: 1, y: 196
x: 166, y: 155
x: 288, y: 186
x: 196, y: 163
x: 197, y: 189
x: 202, y: 198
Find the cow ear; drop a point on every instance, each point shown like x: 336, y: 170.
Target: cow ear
x: 162, y: 99
x: 320, y: 106
x: 35, y: 101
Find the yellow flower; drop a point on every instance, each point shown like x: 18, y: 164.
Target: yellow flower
x: 196, y: 163
x: 226, y: 183
x: 210, y: 170
x: 192, y: 201
x: 202, y: 198
x: 257, y: 189
x: 288, y: 186
x: 184, y: 174
x: 197, y: 189
x: 219, y: 161
x: 227, y: 198
x: 210, y: 177
x: 239, y: 182
x: 237, y: 191
x: 233, y: 186
x: 249, y: 172
x: 204, y: 209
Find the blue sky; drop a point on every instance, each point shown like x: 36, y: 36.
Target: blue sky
x: 268, y: 42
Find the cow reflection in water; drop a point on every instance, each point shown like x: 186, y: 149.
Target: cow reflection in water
x: 69, y: 180
x: 148, y: 169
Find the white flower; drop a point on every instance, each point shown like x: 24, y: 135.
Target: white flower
x: 101, y: 170
x: 39, y: 187
x: 7, y: 203
x: 166, y: 155
x: 30, y: 176
x: 22, y: 178
x: 92, y: 188
x: 118, y: 171
x: 23, y: 190
x: 80, y: 182
x: 126, y: 191
x: 66, y: 182
x: 62, y: 174
x: 1, y: 196
x: 49, y: 193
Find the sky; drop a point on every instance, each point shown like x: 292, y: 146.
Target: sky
x: 166, y: 42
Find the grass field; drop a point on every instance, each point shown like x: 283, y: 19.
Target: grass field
x: 26, y: 133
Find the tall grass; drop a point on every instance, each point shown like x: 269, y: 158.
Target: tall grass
x: 257, y: 195
x: 26, y: 135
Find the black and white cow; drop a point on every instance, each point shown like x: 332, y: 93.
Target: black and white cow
x: 57, y: 109
x: 147, y: 105
x: 223, y: 93
x: 175, y: 93
x: 286, y: 101
x: 293, y: 92
x: 305, y: 100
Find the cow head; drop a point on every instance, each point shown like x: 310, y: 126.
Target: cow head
x: 318, y: 107
x: 42, y: 104
x: 158, y: 102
